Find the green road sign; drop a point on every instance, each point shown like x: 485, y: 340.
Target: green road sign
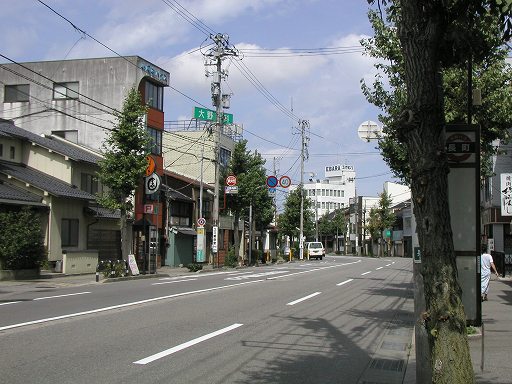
x: 207, y: 114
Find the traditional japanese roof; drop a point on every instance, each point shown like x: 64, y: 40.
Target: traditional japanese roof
x: 12, y: 193
x: 103, y: 213
x: 42, y: 181
x: 64, y: 148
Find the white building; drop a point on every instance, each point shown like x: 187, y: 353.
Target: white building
x: 334, y: 191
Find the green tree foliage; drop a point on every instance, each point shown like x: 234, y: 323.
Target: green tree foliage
x: 289, y: 221
x: 381, y: 218
x: 21, y: 241
x: 332, y: 223
x: 251, y: 177
x: 124, y: 163
x: 492, y: 77
x: 434, y: 37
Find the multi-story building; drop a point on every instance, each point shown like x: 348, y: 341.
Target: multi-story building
x: 189, y: 151
x: 56, y: 177
x: 75, y: 99
x: 332, y: 192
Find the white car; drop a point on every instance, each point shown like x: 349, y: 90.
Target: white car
x: 315, y: 249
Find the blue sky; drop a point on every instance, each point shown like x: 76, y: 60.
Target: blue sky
x: 323, y: 89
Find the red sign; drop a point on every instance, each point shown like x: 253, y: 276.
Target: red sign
x: 231, y: 180
x: 459, y: 147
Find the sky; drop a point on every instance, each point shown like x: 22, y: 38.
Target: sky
x: 273, y: 81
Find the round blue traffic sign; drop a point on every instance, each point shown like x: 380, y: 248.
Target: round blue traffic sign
x: 272, y: 181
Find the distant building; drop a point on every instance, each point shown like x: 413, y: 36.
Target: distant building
x: 332, y: 192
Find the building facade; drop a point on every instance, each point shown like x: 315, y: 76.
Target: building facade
x: 76, y: 100
x: 56, y: 177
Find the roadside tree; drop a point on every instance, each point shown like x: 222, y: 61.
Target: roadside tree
x: 252, y: 190
x: 124, y: 163
x: 434, y: 36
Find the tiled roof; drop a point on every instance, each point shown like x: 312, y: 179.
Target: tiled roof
x: 43, y: 181
x: 10, y: 192
x: 176, y: 195
x: 74, y: 152
x: 104, y: 213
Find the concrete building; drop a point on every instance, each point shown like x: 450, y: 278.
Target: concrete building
x: 496, y: 214
x: 76, y: 99
x: 332, y: 192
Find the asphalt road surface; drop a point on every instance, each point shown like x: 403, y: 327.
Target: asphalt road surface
x: 304, y: 322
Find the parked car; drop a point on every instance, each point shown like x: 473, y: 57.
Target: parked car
x: 315, y: 249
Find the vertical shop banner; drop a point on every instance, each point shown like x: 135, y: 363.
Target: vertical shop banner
x: 506, y: 194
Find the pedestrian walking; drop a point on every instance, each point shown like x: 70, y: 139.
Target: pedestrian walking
x: 486, y: 263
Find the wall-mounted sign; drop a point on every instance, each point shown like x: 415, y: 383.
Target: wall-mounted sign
x: 152, y: 184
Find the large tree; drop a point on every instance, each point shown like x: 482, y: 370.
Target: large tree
x: 251, y: 176
x: 125, y: 159
x: 435, y: 35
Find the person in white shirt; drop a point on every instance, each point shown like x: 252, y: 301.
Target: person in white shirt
x: 486, y: 263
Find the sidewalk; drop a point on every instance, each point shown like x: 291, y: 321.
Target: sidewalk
x: 496, y: 336
x: 494, y: 364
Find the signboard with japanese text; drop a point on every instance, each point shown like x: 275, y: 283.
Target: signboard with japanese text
x: 200, y: 254
x: 152, y: 184
x: 461, y: 147
x: 506, y: 194
x: 134, y: 269
x: 209, y: 115
x: 215, y: 233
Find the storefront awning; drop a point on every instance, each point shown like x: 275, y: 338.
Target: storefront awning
x: 187, y: 231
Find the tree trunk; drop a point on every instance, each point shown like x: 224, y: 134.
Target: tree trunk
x: 420, y: 29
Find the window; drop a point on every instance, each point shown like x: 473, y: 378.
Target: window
x: 224, y: 157
x: 181, y: 213
x: 154, y: 96
x: 156, y: 140
x: 89, y: 183
x: 69, y: 233
x: 16, y: 93
x: 65, y: 90
x: 12, y: 152
x: 1, y: 149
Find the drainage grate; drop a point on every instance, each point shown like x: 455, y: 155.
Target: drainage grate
x: 392, y: 346
x: 388, y: 365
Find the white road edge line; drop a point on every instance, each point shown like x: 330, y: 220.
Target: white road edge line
x: 379, y: 268
x: 344, y: 282
x: 304, y: 298
x: 174, y: 281
x: 57, y: 296
x: 190, y: 343
x: 10, y: 302
x: 362, y: 274
x: 48, y: 319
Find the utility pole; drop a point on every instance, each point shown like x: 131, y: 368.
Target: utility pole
x: 214, y: 57
x: 303, y: 156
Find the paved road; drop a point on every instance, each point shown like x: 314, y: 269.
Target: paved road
x: 340, y: 320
